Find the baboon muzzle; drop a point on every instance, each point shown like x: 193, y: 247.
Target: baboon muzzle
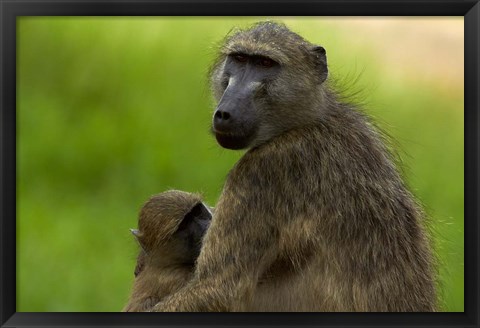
x: 233, y: 120
x: 232, y: 109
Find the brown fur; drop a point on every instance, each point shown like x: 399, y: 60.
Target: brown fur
x: 165, y: 263
x: 314, y: 216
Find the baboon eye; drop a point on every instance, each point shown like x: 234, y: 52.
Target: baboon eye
x: 240, y: 58
x: 266, y: 62
x: 138, y: 269
x: 225, y: 83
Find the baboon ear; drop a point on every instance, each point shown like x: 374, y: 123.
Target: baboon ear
x: 138, y: 236
x: 135, y: 232
x: 320, y: 59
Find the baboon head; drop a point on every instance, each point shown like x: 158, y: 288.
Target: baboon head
x: 171, y: 226
x: 266, y: 80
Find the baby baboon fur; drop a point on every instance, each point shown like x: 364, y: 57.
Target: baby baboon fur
x: 170, y: 228
x: 314, y: 216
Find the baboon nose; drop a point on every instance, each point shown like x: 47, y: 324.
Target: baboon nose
x: 222, y: 121
x: 221, y: 115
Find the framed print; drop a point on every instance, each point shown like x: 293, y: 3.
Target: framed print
x: 245, y: 111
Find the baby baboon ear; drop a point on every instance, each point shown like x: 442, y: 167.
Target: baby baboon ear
x: 135, y: 233
x: 138, y: 237
x: 320, y: 59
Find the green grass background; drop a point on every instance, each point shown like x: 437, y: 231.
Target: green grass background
x: 113, y: 110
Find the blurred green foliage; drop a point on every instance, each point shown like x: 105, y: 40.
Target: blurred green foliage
x: 113, y: 110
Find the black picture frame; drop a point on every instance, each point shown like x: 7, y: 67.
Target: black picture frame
x: 10, y: 10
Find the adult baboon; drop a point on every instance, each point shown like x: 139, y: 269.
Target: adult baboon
x: 314, y: 216
x: 171, y: 226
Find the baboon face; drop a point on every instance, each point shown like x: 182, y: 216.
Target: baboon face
x: 235, y: 119
x: 265, y: 80
x: 188, y: 238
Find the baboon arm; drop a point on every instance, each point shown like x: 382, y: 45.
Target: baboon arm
x: 227, y: 272
x: 141, y: 304
x: 241, y: 243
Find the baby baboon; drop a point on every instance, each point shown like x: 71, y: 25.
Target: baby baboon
x: 171, y: 226
x: 314, y: 216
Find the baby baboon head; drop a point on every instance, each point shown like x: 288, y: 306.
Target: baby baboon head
x: 171, y: 226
